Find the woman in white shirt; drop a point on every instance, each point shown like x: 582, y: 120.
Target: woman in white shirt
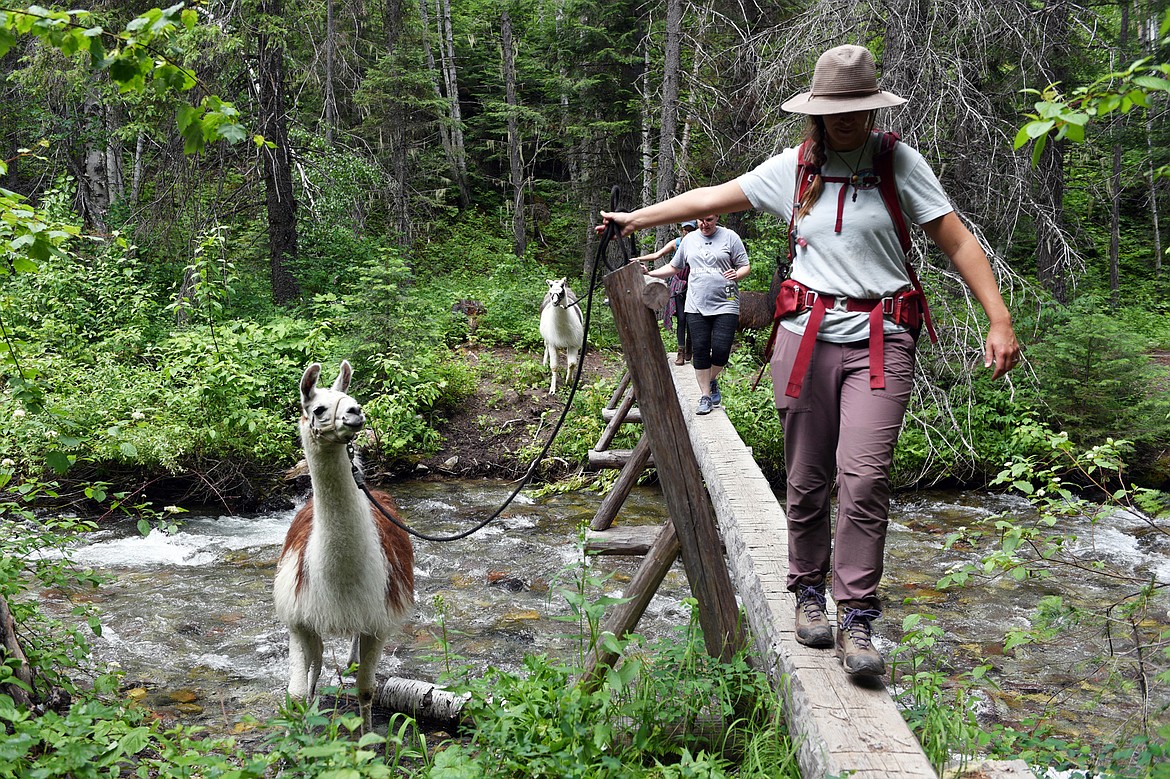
x: 842, y: 397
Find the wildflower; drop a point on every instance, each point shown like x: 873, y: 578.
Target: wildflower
x: 137, y: 416
x: 18, y: 413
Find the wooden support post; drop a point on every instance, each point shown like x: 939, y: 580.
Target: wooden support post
x: 611, y: 429
x: 623, y: 384
x: 623, y: 618
x: 625, y: 482
x: 689, y: 505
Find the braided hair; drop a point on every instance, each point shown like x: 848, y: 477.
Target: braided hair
x: 816, y: 154
x: 816, y: 157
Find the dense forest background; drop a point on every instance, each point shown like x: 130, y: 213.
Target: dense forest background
x: 389, y: 160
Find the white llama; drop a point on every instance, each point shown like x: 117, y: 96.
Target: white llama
x: 562, y: 326
x: 345, y: 569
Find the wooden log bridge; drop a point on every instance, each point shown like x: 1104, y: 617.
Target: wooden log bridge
x: 843, y: 726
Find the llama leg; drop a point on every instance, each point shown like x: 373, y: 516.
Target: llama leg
x: 370, y: 651
x: 571, y: 363
x: 315, y: 649
x: 552, y: 368
x: 304, y: 662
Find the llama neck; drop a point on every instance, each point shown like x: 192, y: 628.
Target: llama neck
x: 337, y: 501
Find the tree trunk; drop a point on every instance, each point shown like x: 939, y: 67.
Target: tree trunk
x: 136, y: 178
x: 13, y: 655
x: 1053, y: 254
x: 519, y: 237
x: 647, y: 146
x: 1149, y: 40
x: 437, y: 87
x: 93, y: 183
x: 1154, y: 217
x: 669, y: 129
x: 421, y: 700
x: 278, y: 184
x: 330, y: 97
x: 1115, y: 186
x: 447, y: 58
x: 396, y: 130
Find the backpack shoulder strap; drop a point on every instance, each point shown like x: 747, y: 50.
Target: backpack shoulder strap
x: 804, y: 175
x: 883, y: 165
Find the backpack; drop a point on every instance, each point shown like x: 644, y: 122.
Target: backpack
x: 794, y: 300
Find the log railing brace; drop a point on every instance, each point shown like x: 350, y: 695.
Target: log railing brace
x: 692, y: 529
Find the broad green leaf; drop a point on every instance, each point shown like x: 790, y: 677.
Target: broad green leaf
x: 58, y: 461
x: 233, y: 133
x: 1036, y: 129
x: 1038, y: 149
x: 1155, y: 83
x: 135, y: 741
x: 23, y: 264
x: 185, y: 116
x: 7, y: 40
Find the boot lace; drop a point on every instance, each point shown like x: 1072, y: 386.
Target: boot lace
x: 812, y: 601
x: 856, y: 622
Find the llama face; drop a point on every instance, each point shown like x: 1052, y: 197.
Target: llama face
x: 330, y: 414
x: 557, y: 292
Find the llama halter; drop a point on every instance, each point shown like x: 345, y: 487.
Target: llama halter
x: 342, y: 432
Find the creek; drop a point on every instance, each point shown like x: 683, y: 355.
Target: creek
x: 188, y: 616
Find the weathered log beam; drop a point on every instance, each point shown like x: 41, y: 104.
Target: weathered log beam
x: 633, y: 416
x: 632, y: 541
x: 692, y: 516
x: 631, y: 472
x: 614, y: 458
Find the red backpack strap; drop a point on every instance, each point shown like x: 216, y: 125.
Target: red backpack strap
x: 804, y: 175
x: 883, y: 166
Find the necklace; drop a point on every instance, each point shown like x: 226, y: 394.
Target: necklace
x: 854, y: 172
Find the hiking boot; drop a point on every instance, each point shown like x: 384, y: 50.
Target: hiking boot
x: 855, y: 640
x: 716, y: 398
x: 705, y: 405
x: 812, y: 626
x: 680, y: 360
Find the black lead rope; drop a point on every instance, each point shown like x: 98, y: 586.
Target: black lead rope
x: 611, y: 231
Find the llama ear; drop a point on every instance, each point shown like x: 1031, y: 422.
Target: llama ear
x: 309, y: 381
x: 341, y: 384
x: 548, y: 282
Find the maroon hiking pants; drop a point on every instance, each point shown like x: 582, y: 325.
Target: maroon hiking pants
x: 840, y: 427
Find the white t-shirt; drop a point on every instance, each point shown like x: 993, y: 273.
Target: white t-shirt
x: 865, y: 259
x: 708, y: 292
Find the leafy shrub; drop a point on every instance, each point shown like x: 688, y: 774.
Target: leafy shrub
x: 753, y: 412
x: 1096, y: 379
x: 638, y: 721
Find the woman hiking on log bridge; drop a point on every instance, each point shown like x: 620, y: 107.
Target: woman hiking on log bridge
x: 843, y: 346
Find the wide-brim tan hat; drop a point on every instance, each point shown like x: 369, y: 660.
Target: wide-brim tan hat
x: 844, y: 80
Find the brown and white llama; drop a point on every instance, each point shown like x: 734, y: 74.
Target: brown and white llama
x: 345, y: 569
x: 562, y: 326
